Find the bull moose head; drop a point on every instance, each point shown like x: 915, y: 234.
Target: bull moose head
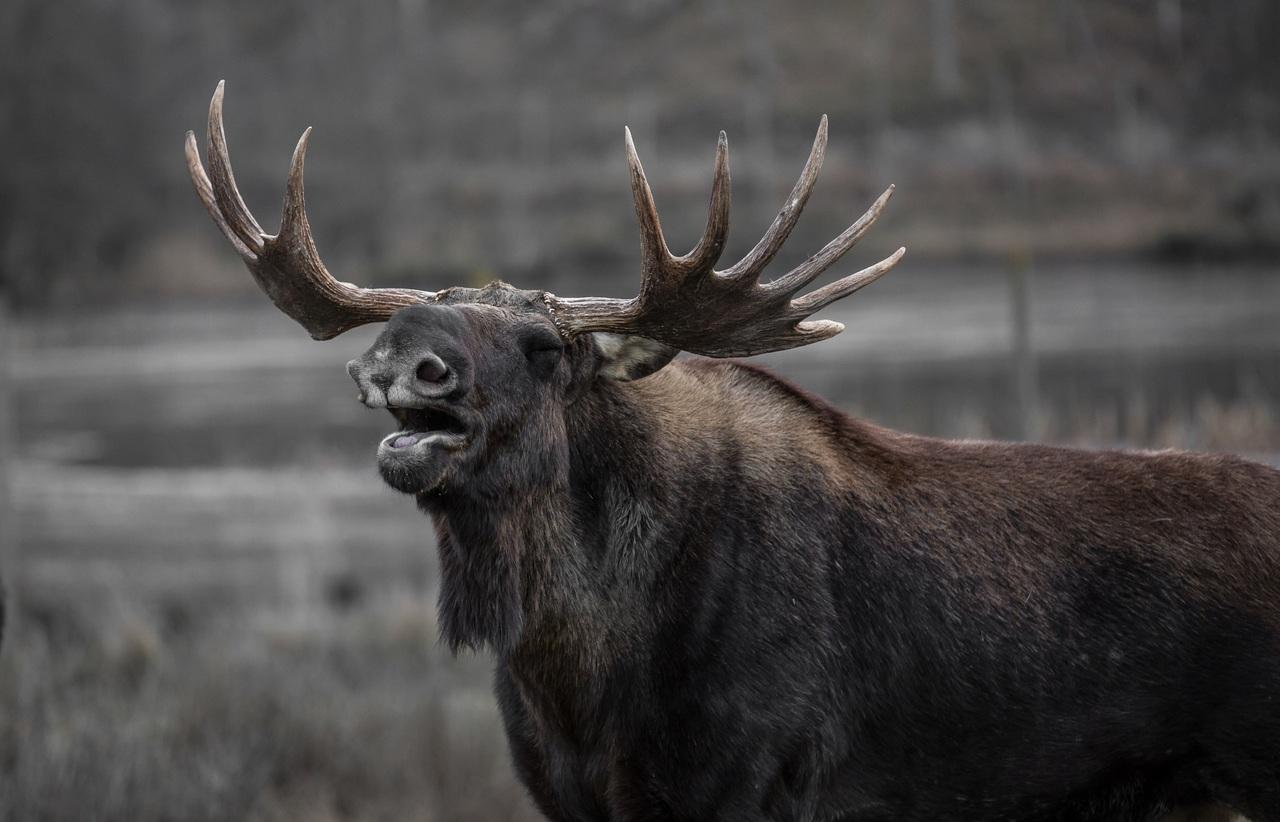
x: 465, y: 371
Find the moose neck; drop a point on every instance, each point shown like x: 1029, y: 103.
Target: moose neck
x: 551, y: 562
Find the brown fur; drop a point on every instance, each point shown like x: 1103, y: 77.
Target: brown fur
x: 715, y: 596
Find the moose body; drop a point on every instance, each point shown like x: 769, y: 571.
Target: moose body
x: 713, y: 596
x: 761, y: 609
x: 731, y: 601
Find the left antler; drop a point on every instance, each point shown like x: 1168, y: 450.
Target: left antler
x: 685, y: 303
x: 287, y: 265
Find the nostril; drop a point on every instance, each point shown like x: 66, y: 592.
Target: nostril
x: 432, y: 369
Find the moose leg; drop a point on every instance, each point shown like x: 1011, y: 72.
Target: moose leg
x: 552, y: 783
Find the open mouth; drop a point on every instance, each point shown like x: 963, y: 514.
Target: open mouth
x: 426, y: 426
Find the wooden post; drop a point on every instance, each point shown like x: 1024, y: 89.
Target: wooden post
x: 526, y: 226
x: 759, y: 105
x: 881, y: 53
x: 1023, y: 354
x: 942, y: 38
x: 10, y: 561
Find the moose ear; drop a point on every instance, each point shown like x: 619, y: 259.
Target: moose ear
x: 625, y: 357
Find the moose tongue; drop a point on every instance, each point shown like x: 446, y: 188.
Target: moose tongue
x: 405, y: 441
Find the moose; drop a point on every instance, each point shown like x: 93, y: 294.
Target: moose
x: 713, y: 596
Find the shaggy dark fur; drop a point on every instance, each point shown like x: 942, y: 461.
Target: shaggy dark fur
x: 715, y: 597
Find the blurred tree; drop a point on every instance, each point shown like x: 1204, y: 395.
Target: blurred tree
x: 942, y: 33
x: 480, y: 136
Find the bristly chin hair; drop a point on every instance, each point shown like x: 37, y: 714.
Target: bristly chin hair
x: 480, y: 598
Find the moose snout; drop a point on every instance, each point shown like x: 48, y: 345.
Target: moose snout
x: 419, y: 358
x: 386, y: 380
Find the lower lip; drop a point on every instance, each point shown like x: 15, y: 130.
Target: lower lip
x: 406, y: 440
x: 401, y: 441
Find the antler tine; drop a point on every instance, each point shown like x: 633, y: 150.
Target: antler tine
x: 707, y: 252
x: 653, y: 246
x: 224, y: 182
x: 204, y: 190
x: 750, y: 266
x: 287, y: 266
x: 845, y: 286
x: 295, y: 241
x: 294, y: 226
x: 806, y: 272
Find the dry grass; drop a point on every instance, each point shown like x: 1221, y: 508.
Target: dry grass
x: 1249, y: 426
x: 357, y: 718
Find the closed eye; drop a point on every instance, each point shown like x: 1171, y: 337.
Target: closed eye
x: 542, y: 347
x: 540, y: 340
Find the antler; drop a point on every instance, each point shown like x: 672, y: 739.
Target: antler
x: 685, y: 303
x: 286, y: 265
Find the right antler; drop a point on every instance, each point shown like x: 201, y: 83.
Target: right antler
x: 685, y: 303
x: 287, y: 265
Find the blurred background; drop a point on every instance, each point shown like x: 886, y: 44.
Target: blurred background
x: 217, y: 611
